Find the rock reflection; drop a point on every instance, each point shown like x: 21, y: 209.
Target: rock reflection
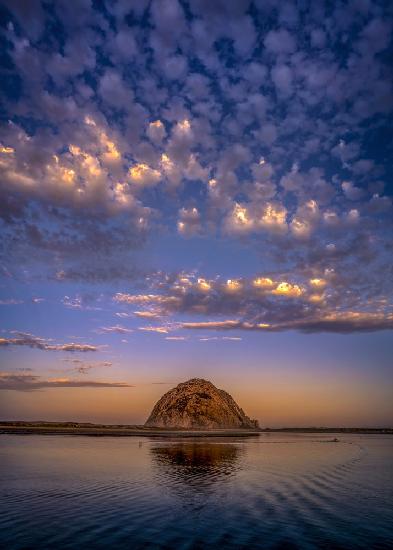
x: 196, y: 465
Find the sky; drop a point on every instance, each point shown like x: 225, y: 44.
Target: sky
x: 196, y: 189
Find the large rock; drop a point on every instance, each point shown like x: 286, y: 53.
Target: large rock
x: 198, y: 404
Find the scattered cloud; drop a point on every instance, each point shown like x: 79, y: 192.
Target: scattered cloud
x: 79, y: 302
x: 115, y: 329
x: 145, y: 314
x: 82, y: 367
x: 160, y: 330
x: 31, y: 341
x: 28, y: 382
x: 221, y: 338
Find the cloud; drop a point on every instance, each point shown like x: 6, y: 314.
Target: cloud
x: 143, y: 314
x: 115, y: 329
x: 346, y: 322
x: 343, y: 323
x: 282, y: 78
x: 221, y: 339
x: 228, y: 324
x: 124, y: 46
x: 27, y: 382
x: 114, y: 91
x: 175, y: 67
x: 79, y: 302
x: 189, y: 221
x: 160, y: 330
x: 71, y: 347
x: 247, y: 218
x: 97, y: 274
x: 156, y: 131
x: 143, y: 298
x: 318, y: 38
x: 82, y: 367
x: 352, y: 192
x: 287, y: 289
x: 142, y: 174
x: 29, y: 340
x: 123, y: 314
x: 280, y: 42
x: 305, y: 220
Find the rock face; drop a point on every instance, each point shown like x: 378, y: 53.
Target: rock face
x: 198, y: 404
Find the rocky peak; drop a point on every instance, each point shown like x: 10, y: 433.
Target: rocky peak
x: 198, y: 404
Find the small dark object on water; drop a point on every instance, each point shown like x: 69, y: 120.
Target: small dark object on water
x: 335, y: 440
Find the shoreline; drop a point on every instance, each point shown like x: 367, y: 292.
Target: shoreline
x: 119, y: 432
x: 99, y: 430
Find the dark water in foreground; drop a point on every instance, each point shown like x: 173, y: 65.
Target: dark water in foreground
x: 272, y: 491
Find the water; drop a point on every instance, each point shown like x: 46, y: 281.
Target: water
x: 279, y: 491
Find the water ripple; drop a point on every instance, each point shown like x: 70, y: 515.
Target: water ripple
x: 295, y: 492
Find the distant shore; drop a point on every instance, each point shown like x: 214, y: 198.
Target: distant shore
x: 120, y: 430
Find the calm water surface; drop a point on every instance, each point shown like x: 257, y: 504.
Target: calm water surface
x: 272, y: 491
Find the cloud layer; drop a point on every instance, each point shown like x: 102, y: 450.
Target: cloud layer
x: 243, y: 124
x: 316, y: 304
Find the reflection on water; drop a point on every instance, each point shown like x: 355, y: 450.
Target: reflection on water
x: 198, y: 465
x: 273, y: 491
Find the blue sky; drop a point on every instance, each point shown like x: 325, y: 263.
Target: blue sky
x: 194, y: 188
